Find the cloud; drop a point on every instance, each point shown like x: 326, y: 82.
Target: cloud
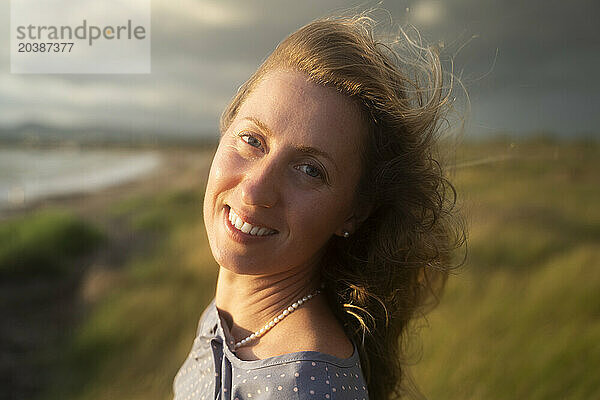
x: 203, y: 50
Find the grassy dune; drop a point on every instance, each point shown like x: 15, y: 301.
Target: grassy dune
x: 44, y: 243
x: 520, y: 320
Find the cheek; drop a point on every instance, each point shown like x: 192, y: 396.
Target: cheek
x: 318, y: 223
x: 330, y: 214
x: 221, y: 176
x: 226, y: 164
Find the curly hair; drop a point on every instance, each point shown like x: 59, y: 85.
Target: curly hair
x: 393, y: 268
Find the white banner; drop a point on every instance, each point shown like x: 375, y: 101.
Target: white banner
x: 80, y: 36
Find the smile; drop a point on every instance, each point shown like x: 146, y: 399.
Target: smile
x: 247, y: 228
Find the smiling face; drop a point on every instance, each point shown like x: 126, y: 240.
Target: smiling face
x: 284, y: 177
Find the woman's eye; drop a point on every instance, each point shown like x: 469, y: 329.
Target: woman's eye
x: 311, y: 171
x: 251, y: 140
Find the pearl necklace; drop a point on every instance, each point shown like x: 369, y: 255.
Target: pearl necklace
x: 278, y: 318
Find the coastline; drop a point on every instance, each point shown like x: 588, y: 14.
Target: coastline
x: 177, y: 168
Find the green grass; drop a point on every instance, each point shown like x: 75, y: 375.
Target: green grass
x: 134, y: 340
x: 520, y: 320
x: 161, y: 212
x: 44, y: 244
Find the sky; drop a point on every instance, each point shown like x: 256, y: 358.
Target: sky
x: 527, y: 66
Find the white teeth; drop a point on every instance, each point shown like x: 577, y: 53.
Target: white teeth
x: 246, y: 227
x: 239, y: 223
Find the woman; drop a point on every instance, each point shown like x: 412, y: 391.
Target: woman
x: 329, y: 219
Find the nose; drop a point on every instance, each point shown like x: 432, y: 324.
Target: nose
x: 260, y: 184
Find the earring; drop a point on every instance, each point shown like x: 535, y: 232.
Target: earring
x: 346, y: 234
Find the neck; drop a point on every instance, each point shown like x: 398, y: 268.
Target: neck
x: 247, y: 302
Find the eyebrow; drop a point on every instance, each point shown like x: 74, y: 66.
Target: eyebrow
x: 301, y: 148
x: 260, y: 124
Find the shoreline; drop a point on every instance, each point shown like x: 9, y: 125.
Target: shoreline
x: 175, y: 169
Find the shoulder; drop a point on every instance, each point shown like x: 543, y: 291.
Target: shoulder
x: 304, y: 379
x: 335, y: 345
x: 208, y: 319
x: 313, y: 330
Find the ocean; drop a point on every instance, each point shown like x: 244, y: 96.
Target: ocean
x: 27, y: 175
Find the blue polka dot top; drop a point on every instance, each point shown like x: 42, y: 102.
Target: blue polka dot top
x: 212, y: 371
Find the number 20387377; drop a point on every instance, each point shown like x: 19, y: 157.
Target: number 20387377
x: 45, y: 47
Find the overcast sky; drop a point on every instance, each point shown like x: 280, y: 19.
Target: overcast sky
x: 528, y: 66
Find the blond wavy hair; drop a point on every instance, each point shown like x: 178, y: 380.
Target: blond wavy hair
x: 395, y: 265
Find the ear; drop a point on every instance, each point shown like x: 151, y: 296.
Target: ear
x: 353, y: 222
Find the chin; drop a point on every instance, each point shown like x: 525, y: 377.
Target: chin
x: 241, y: 269
x: 238, y: 264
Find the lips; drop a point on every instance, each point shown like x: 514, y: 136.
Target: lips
x: 245, y: 227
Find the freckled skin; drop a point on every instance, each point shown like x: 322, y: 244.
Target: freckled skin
x: 267, y: 178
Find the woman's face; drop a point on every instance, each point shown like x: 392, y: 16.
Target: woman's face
x: 284, y: 177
